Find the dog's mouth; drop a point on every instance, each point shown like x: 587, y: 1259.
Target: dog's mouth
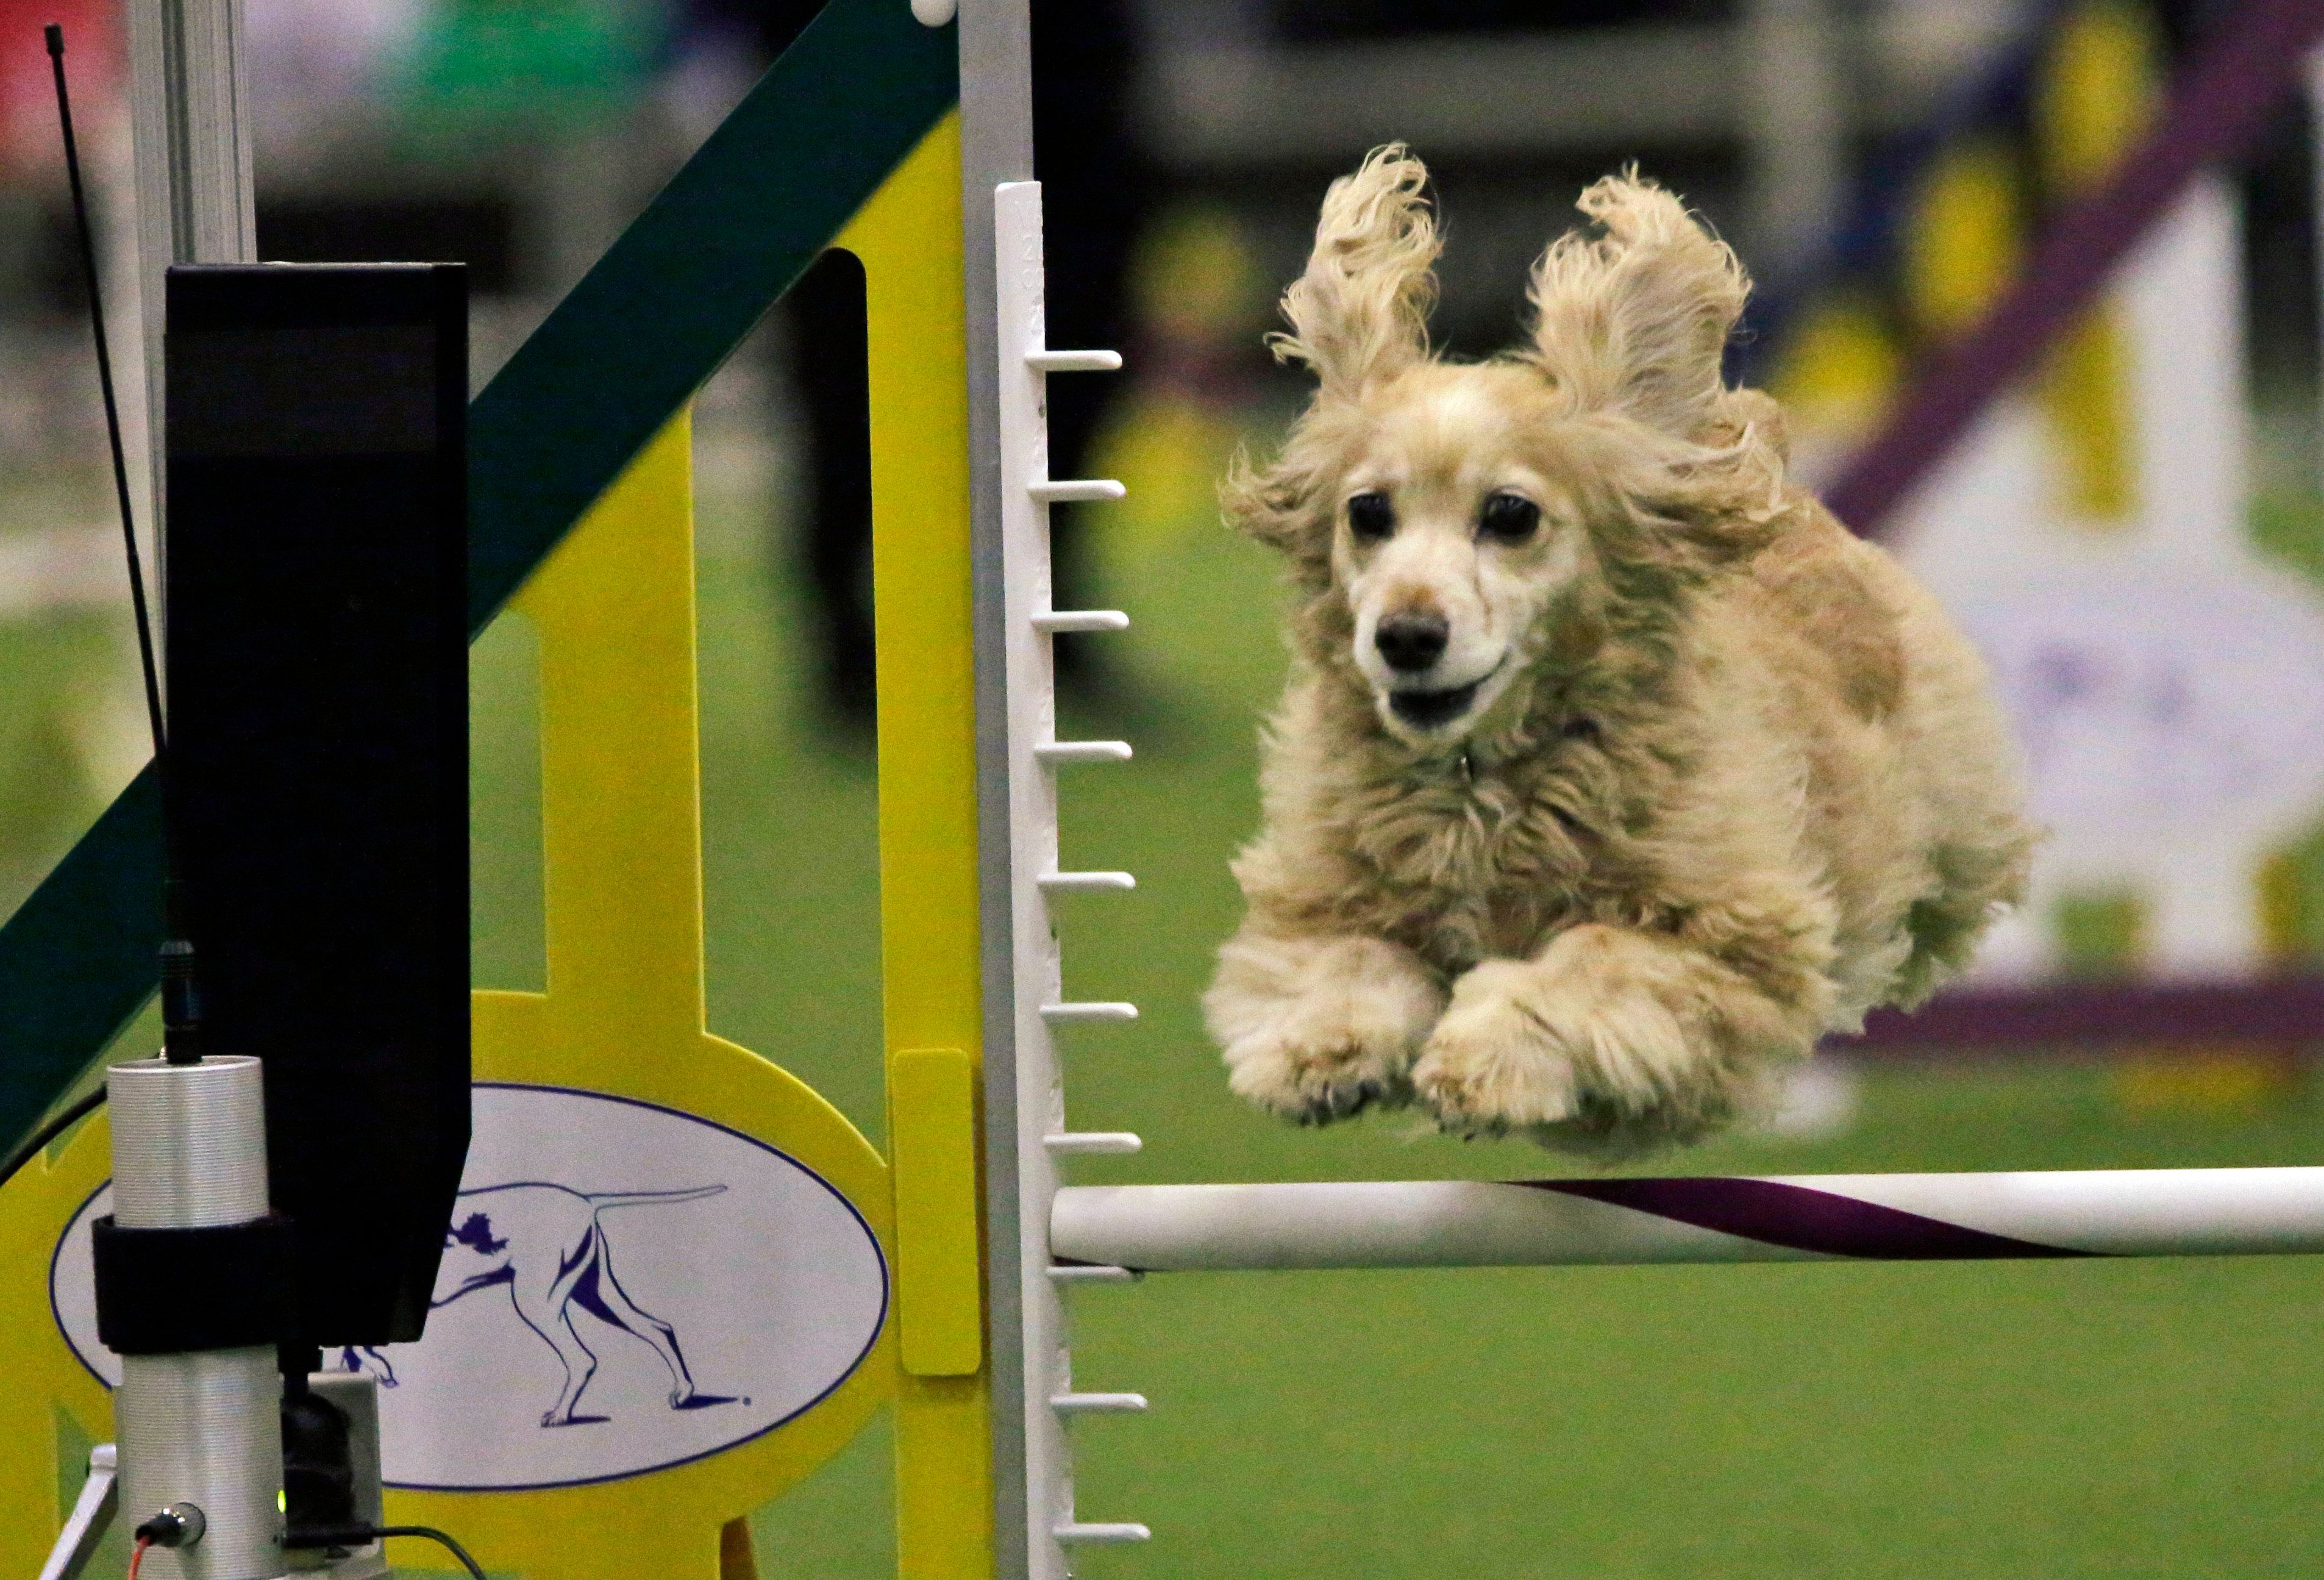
x: 1433, y: 710
x: 1429, y: 710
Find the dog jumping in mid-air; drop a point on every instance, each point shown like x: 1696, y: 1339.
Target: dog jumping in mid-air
x: 545, y: 1243
x: 1612, y: 770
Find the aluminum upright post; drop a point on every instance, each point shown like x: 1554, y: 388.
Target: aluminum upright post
x: 189, y: 94
x: 996, y: 146
x: 198, y: 1429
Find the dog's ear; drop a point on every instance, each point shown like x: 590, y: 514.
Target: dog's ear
x: 1277, y: 505
x: 1635, y: 319
x: 1361, y: 311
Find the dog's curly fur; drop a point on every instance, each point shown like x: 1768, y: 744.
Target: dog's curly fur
x: 1731, y: 780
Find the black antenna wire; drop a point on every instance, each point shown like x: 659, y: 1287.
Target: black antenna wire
x: 180, y: 1003
x: 56, y: 38
x: 33, y: 1145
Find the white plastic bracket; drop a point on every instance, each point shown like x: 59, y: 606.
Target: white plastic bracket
x: 1070, y: 1272
x: 1064, y: 491
x: 1077, y: 1534
x: 1082, y: 619
x: 1084, y: 882
x: 1097, y: 1404
x: 92, y: 1513
x: 1066, y: 1014
x: 1073, y: 361
x: 1093, y: 1144
x: 1083, y: 752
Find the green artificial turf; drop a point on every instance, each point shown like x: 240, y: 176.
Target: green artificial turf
x: 2002, y: 1421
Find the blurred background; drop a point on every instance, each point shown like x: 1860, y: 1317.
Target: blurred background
x: 2135, y: 534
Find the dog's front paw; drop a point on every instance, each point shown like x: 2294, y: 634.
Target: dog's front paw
x: 1492, y: 1066
x: 1318, y: 1030
x: 1320, y: 1062
x: 1609, y: 1043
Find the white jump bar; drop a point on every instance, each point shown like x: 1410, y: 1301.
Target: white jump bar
x: 2145, y: 1212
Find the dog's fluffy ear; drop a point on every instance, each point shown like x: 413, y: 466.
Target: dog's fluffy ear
x: 1277, y: 506
x: 1361, y: 311
x: 1635, y: 319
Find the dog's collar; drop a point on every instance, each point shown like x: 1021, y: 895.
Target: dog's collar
x: 1580, y: 727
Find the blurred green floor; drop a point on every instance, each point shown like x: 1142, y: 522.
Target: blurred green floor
x: 2006, y: 1420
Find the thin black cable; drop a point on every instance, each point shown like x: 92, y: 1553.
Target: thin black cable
x: 38, y: 1141
x: 56, y: 38
x: 181, y: 993
x: 349, y: 1536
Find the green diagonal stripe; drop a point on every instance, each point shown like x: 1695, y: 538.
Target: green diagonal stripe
x: 76, y: 959
x: 637, y: 336
x: 730, y: 232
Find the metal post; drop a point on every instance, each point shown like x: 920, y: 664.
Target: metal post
x: 189, y: 94
x: 189, y: 1141
x: 996, y: 146
x: 1795, y: 112
x: 1018, y: 756
x: 199, y: 1428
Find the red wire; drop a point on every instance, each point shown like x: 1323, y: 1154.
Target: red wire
x: 138, y: 1556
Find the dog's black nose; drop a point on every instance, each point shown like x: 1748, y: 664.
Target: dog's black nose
x: 1412, y: 639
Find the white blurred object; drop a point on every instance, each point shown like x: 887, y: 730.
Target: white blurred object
x: 1820, y: 1101
x: 62, y: 568
x: 1933, y: 40
x: 2166, y: 684
x: 933, y: 12
x: 308, y: 59
x: 1796, y: 110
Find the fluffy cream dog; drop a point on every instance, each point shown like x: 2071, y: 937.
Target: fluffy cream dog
x: 1612, y: 771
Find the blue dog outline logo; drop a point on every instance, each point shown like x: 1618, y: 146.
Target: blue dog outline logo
x: 545, y: 1243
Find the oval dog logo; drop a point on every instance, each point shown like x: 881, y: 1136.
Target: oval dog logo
x: 2149, y: 705
x: 624, y: 1288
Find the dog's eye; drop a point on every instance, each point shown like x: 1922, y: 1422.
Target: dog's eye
x: 1508, y: 518
x: 1371, y: 517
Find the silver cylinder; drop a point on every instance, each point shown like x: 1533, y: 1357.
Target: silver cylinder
x: 205, y: 1428
x: 188, y: 1143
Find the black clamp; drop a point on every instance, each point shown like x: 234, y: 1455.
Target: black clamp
x: 171, y: 1291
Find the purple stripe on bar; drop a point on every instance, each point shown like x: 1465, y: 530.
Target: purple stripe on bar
x: 1800, y: 1219
x: 2254, y: 53
x: 2283, y: 1011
